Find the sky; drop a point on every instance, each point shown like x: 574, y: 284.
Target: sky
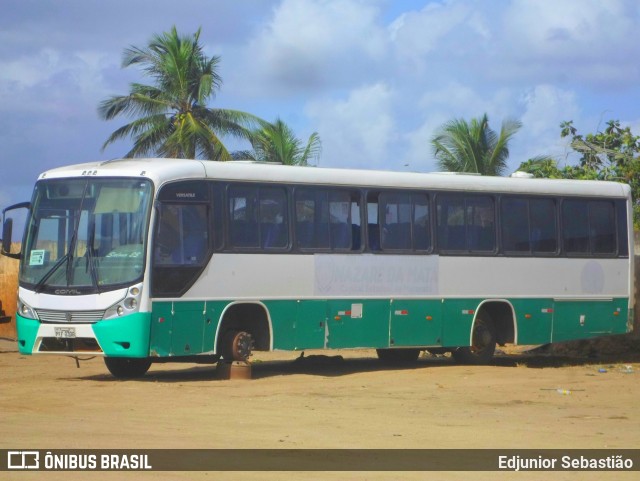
x: 374, y: 78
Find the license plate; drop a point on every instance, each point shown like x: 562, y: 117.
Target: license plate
x: 65, y: 332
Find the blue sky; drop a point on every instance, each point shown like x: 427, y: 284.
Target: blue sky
x: 374, y: 78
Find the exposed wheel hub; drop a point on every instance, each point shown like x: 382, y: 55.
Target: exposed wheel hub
x: 241, y: 344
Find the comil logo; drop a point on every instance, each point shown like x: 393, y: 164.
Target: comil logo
x: 23, y: 460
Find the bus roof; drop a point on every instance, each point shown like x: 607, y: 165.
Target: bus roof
x: 161, y: 171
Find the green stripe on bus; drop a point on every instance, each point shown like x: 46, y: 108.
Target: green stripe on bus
x: 189, y: 327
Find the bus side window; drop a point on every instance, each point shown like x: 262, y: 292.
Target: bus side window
x: 575, y: 226
x: 480, y: 213
x: 312, y: 219
x: 515, y: 225
x: 544, y: 232
x: 243, y: 226
x: 167, y: 238
x: 421, y: 224
x: 450, y: 223
x: 196, y: 238
x: 621, y: 224
x: 373, y: 225
x: 395, y: 211
x: 258, y: 217
x: 466, y: 223
x: 305, y: 214
x: 327, y: 219
x: 182, y: 235
x: 356, y: 224
x: 340, y: 220
x: 602, y: 225
x: 273, y: 218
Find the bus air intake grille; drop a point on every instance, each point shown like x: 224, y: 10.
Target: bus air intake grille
x: 69, y: 316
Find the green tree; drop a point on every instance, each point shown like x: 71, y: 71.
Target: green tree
x: 276, y: 142
x: 461, y: 146
x: 542, y: 167
x: 613, y: 154
x: 604, y: 152
x: 171, y: 117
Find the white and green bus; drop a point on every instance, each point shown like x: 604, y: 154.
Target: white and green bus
x: 156, y: 260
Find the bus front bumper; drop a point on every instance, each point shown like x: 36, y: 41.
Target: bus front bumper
x: 127, y: 336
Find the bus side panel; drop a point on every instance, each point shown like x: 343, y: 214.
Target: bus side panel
x: 582, y: 319
x: 126, y: 336
x: 358, y: 323
x: 187, y: 328
x: 534, y: 319
x: 457, y: 318
x: 211, y: 318
x: 283, y: 318
x: 416, y: 322
x: 161, y: 326
x: 311, y: 328
x: 184, y: 328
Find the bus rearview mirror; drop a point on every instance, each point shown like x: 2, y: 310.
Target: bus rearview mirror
x: 7, y: 231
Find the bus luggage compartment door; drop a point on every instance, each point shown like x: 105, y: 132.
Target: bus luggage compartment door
x: 581, y: 318
x: 358, y: 323
x: 415, y: 323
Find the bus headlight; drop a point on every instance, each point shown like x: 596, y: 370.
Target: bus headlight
x: 128, y: 305
x: 26, y: 311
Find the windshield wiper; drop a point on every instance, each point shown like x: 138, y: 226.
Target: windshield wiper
x: 91, y: 260
x: 65, y: 258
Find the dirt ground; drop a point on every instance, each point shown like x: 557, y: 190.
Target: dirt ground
x: 46, y: 402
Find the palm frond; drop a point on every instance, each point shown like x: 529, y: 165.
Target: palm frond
x: 461, y: 146
x: 184, y: 79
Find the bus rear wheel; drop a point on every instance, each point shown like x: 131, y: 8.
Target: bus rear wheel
x: 237, y: 346
x: 127, y: 367
x: 398, y: 356
x: 483, y: 344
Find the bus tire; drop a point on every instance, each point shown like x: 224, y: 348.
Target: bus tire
x: 398, y: 356
x: 127, y: 367
x: 237, y: 346
x: 483, y: 344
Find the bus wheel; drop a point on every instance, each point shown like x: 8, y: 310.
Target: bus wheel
x: 127, y: 367
x: 482, y: 347
x: 398, y: 356
x: 237, y: 346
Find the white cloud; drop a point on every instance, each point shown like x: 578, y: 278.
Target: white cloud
x: 356, y: 131
x: 570, y: 27
x: 426, y: 27
x: 311, y: 44
x: 573, y: 41
x: 53, y: 81
x: 436, y: 29
x: 545, y: 107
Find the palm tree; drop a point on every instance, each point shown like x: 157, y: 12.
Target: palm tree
x: 171, y: 117
x: 276, y: 142
x: 473, y: 147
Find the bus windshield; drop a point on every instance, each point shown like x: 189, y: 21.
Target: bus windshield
x: 86, y: 235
